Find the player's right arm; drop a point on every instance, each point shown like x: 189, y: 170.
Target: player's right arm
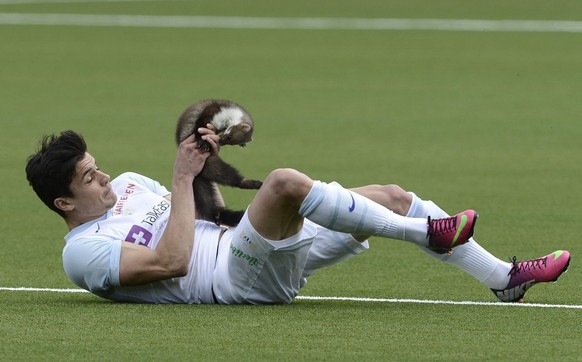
x: 171, y: 258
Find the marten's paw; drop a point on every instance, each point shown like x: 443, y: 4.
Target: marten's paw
x: 204, y: 145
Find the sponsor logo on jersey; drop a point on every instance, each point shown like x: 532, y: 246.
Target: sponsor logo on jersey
x: 157, y: 211
x: 139, y: 235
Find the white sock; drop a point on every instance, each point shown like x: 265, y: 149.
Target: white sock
x: 336, y: 208
x: 470, y: 257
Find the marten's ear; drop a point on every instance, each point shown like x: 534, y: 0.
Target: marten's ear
x: 246, y: 127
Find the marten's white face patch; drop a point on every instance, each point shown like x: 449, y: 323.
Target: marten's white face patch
x: 227, y: 118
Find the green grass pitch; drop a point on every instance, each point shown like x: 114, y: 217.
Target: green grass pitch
x: 483, y: 120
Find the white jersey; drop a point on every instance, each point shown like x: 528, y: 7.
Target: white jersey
x: 91, y: 256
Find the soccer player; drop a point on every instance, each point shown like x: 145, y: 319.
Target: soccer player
x: 131, y: 239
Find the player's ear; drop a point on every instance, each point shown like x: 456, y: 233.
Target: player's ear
x: 63, y: 203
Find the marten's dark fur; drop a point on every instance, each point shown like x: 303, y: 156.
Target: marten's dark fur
x: 235, y: 127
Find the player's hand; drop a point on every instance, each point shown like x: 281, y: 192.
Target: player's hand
x: 190, y: 158
x: 209, y: 135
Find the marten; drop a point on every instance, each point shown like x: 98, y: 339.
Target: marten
x: 235, y: 126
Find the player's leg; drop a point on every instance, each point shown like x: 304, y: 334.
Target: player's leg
x: 287, y: 196
x: 273, y: 210
x: 392, y: 197
x: 508, y: 281
x: 252, y: 269
x: 332, y: 247
x: 470, y: 257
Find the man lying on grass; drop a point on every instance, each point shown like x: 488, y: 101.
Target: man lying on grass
x: 132, y: 240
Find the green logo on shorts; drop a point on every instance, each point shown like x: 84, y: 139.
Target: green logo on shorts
x: 239, y: 253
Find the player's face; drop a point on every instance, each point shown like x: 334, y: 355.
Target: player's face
x: 92, y: 193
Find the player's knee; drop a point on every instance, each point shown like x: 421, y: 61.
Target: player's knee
x: 398, y: 199
x: 288, y: 183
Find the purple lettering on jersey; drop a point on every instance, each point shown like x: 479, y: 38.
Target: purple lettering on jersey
x: 139, y: 235
x: 123, y: 198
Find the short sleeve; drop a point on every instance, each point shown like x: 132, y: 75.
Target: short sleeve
x: 92, y: 263
x: 152, y: 185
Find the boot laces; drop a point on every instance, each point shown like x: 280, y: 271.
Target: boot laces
x: 438, y: 227
x: 532, y: 264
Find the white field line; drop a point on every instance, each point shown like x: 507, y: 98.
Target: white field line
x: 49, y: 290
x: 350, y: 299
x: 450, y: 302
x: 225, y: 22
x: 41, y: 2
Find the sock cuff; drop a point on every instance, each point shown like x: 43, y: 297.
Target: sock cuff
x: 313, y: 198
x: 416, y: 207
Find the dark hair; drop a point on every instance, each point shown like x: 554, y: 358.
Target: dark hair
x: 51, y: 169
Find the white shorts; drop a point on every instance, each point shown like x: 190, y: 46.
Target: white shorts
x: 253, y: 270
